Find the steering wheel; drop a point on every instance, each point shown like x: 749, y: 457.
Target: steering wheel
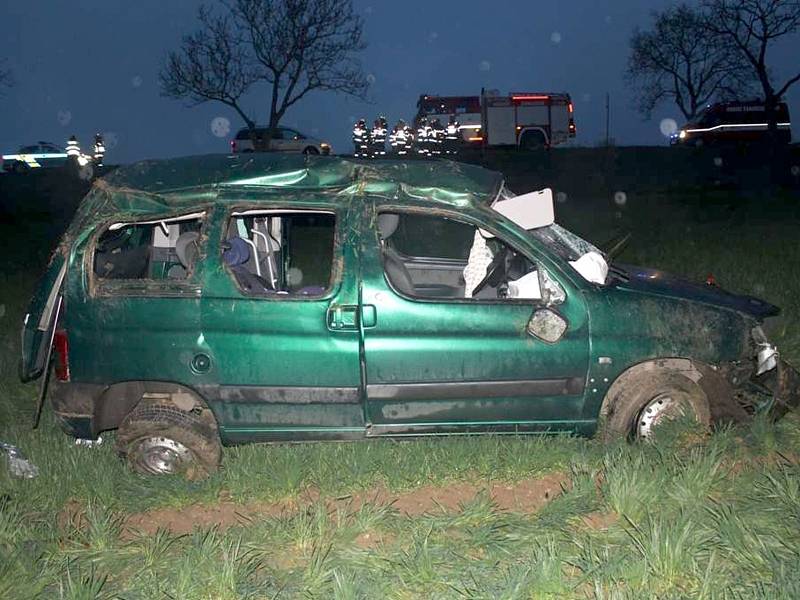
x: 494, y: 272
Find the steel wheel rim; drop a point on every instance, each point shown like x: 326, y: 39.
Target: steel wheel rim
x: 162, y: 456
x: 663, y: 407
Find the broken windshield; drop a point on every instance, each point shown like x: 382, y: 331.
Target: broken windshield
x: 566, y: 244
x: 583, y: 256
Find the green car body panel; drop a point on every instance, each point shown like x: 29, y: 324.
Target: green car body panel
x: 359, y: 359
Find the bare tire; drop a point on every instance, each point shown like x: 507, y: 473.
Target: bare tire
x: 636, y: 405
x: 160, y: 439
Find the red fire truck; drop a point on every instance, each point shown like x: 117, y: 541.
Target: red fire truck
x: 526, y: 120
x: 467, y: 110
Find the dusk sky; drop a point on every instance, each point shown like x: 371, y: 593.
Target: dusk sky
x: 87, y: 66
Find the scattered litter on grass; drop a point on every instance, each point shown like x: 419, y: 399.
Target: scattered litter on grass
x: 88, y: 442
x: 18, y: 465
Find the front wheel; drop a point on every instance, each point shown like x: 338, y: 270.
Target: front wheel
x: 310, y: 150
x: 161, y: 439
x: 637, y: 405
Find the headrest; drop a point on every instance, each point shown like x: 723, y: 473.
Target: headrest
x: 236, y: 252
x: 387, y: 224
x: 186, y: 248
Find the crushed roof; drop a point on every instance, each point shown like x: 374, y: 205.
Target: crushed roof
x: 154, y: 187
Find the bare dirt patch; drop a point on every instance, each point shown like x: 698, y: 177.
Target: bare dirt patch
x: 599, y: 520
x: 527, y: 496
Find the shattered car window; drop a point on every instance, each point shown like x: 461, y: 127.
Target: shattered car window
x: 272, y: 253
x: 158, y: 250
x: 565, y: 243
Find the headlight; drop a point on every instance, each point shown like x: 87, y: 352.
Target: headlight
x: 682, y: 134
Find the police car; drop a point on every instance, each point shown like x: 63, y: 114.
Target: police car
x: 41, y: 154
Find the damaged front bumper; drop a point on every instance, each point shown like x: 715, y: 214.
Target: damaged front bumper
x: 780, y: 379
x: 783, y: 385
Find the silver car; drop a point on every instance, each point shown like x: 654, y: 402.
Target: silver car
x: 283, y: 139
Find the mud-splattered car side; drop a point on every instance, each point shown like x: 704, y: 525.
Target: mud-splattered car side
x: 217, y: 300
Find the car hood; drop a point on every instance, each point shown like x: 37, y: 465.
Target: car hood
x: 659, y: 283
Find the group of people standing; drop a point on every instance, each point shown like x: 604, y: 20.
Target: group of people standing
x: 73, y: 151
x: 430, y: 139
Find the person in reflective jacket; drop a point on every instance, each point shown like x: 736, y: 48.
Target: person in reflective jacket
x: 378, y: 137
x: 401, y: 139
x: 360, y: 139
x: 436, y: 137
x: 73, y: 149
x: 421, y: 141
x: 99, y: 150
x: 451, y: 136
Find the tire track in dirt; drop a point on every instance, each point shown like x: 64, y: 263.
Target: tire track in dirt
x: 527, y: 496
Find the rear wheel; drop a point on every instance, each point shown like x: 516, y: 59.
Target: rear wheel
x: 161, y: 439
x: 638, y: 404
x: 532, y: 140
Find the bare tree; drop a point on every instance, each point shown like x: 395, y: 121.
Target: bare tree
x: 294, y: 46
x: 751, y: 27
x: 212, y: 64
x: 677, y: 60
x: 301, y: 46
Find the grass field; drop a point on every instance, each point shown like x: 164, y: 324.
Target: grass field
x: 695, y: 515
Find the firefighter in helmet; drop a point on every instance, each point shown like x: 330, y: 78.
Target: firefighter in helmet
x: 421, y: 141
x: 451, y: 136
x: 73, y: 149
x: 436, y: 137
x: 378, y: 137
x: 99, y: 150
x: 401, y: 138
x: 360, y: 139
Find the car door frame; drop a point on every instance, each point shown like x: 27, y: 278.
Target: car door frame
x: 382, y: 396
x: 305, y: 406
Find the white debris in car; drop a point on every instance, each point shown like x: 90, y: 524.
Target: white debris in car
x: 592, y: 267
x: 526, y: 287
x: 480, y: 257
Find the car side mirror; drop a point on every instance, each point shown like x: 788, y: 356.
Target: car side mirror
x: 547, y: 325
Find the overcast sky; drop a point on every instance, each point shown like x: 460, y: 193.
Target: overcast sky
x: 86, y: 66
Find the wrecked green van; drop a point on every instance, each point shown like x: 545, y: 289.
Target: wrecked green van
x: 207, y: 301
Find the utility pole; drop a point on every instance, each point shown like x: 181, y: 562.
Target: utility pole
x: 608, y: 120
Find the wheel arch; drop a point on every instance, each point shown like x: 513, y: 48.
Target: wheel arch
x: 118, y: 400
x: 719, y: 393
x: 532, y: 130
